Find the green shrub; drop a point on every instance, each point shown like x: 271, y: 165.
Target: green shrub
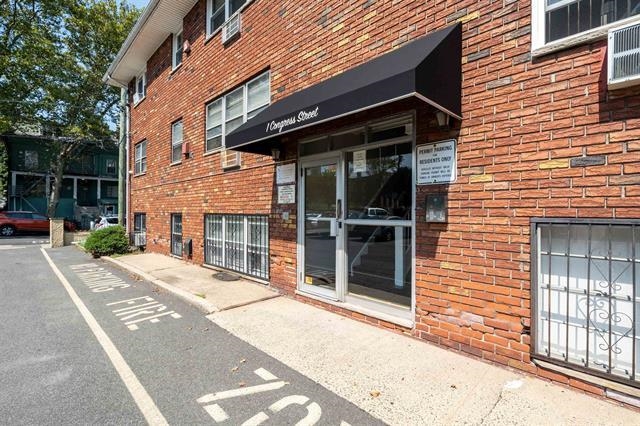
x: 107, y: 241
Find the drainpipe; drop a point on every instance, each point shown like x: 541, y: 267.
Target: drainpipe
x: 122, y: 152
x: 128, y: 172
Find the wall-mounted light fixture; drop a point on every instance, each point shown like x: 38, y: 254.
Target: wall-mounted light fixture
x: 275, y: 154
x: 442, y: 119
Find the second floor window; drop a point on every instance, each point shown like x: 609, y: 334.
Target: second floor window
x: 554, y: 20
x: 177, y: 49
x: 111, y: 166
x: 31, y: 160
x: 218, y: 11
x: 140, y: 158
x: 176, y: 142
x: 228, y: 112
x: 141, y: 88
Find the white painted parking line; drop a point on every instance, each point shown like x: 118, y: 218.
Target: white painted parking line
x: 259, y: 418
x: 240, y: 392
x: 217, y: 413
x: 140, y: 395
x: 265, y: 375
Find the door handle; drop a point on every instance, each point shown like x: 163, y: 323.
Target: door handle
x: 339, y: 209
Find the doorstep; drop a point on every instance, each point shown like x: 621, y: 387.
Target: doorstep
x: 193, y: 283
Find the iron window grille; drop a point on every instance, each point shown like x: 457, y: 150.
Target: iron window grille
x: 176, y: 234
x: 139, y: 236
x: 586, y: 296
x: 238, y: 242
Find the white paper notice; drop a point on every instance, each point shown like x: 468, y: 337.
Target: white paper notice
x: 436, y: 163
x: 286, y: 173
x: 287, y: 194
x: 360, y: 161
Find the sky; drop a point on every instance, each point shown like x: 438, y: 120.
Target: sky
x: 139, y: 3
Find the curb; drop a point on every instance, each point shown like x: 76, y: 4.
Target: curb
x: 204, y: 306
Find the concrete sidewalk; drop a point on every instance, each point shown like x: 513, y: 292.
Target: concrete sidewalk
x: 398, y: 379
x: 193, y: 283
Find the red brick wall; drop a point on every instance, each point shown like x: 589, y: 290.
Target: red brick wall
x: 523, y: 121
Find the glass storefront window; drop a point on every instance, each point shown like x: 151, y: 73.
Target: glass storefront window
x: 383, y: 188
x: 379, y: 262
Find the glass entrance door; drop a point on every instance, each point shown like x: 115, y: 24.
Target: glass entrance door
x: 355, y: 218
x: 322, y: 209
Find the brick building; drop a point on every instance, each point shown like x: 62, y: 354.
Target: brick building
x: 465, y: 172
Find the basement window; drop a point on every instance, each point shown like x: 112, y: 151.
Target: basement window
x: 238, y: 242
x: 586, y: 294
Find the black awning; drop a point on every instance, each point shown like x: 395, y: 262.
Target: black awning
x: 428, y: 68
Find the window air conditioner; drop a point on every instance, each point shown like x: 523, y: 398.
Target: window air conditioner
x: 623, y: 56
x: 230, y: 159
x: 231, y: 28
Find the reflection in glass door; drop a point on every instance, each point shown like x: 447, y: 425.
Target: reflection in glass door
x: 320, y: 229
x: 378, y: 223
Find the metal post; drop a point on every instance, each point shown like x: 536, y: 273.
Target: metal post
x: 122, y: 146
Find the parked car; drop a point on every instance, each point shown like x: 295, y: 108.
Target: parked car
x: 26, y: 221
x: 377, y: 233
x: 106, y: 221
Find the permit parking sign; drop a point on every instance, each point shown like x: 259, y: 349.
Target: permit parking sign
x: 436, y: 163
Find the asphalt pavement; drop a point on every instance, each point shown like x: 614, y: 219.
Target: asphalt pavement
x: 55, y: 369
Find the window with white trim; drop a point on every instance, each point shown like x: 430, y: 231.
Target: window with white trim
x: 177, y: 50
x: 219, y: 11
x: 557, y: 20
x: 176, y: 142
x: 141, y: 88
x: 140, y: 165
x: 228, y: 112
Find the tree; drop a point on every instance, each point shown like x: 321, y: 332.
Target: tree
x: 53, y: 54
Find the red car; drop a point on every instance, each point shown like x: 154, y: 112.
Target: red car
x: 12, y: 222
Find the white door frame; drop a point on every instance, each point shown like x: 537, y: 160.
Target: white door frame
x: 338, y: 294
x: 403, y: 316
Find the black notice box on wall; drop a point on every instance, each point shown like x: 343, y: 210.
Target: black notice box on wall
x: 436, y: 208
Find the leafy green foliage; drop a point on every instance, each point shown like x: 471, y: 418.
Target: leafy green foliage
x: 107, y: 241
x: 53, y: 54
